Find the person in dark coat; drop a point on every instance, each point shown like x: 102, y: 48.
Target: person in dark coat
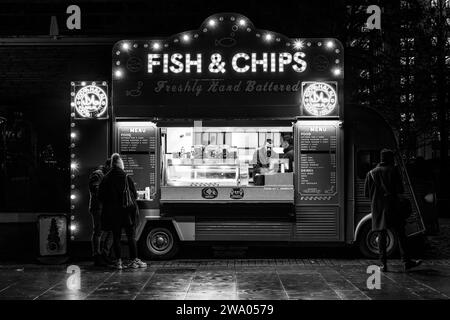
x: 383, y: 185
x: 100, y: 249
x: 115, y: 216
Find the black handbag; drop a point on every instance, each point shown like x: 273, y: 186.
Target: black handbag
x: 127, y: 199
x: 130, y: 206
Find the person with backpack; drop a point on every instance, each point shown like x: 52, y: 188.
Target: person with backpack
x: 118, y: 195
x: 383, y: 186
x: 100, y: 249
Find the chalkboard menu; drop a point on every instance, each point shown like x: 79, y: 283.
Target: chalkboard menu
x: 318, y: 173
x: 137, y: 139
x: 318, y: 138
x: 138, y: 166
x: 137, y: 145
x: 317, y: 165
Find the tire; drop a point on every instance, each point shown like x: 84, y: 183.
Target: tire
x: 368, y: 245
x: 159, y: 243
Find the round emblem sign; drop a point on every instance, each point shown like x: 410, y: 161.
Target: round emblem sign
x: 319, y: 99
x: 91, y: 102
x: 134, y: 64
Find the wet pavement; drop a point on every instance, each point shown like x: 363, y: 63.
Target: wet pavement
x: 329, y: 276
x: 225, y: 279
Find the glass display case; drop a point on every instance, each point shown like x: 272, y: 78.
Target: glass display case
x: 224, y: 156
x: 205, y: 172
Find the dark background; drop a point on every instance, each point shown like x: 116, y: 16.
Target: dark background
x: 37, y: 65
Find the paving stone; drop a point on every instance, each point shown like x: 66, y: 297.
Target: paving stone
x: 162, y: 296
x: 110, y: 297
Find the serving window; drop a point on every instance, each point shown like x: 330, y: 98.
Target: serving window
x: 227, y: 156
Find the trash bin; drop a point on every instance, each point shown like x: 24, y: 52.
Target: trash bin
x: 52, y: 230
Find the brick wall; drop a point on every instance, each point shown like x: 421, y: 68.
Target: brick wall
x: 36, y: 81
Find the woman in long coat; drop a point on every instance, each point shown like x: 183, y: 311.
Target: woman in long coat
x: 114, y: 216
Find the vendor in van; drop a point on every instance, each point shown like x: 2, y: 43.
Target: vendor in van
x: 288, y: 152
x: 262, y: 157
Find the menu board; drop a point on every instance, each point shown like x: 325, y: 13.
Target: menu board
x: 318, y: 161
x: 136, y: 139
x: 318, y: 173
x: 318, y: 138
x: 137, y: 145
x: 138, y: 167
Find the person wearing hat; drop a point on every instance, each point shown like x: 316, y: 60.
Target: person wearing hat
x: 383, y: 185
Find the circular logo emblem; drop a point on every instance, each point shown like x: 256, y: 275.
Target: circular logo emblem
x: 237, y: 193
x: 134, y: 64
x: 91, y: 102
x: 209, y: 193
x: 319, y: 99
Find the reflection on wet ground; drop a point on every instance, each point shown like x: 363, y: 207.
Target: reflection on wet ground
x: 221, y: 273
x: 224, y: 279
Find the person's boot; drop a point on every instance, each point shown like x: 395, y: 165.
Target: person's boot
x: 411, y: 264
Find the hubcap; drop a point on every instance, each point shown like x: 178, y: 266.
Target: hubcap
x: 372, y: 242
x: 160, y: 241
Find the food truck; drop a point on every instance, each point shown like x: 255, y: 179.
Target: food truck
x: 232, y: 134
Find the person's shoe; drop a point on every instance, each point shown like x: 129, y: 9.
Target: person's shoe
x: 137, y: 263
x: 411, y: 264
x: 118, y: 264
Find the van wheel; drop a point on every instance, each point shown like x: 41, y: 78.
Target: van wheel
x: 159, y: 243
x: 368, y: 242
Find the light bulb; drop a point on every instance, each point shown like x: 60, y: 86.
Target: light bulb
x: 156, y: 46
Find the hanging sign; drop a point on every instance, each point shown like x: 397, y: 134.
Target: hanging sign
x: 319, y: 99
x: 89, y: 100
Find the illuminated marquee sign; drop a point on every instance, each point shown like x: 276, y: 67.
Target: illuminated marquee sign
x: 227, y: 66
x: 89, y: 100
x: 240, y: 62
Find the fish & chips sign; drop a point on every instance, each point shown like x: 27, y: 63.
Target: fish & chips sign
x: 227, y: 61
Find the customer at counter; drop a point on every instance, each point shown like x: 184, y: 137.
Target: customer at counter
x: 116, y: 215
x: 100, y: 249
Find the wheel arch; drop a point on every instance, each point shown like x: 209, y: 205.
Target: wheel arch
x: 366, y: 219
x: 170, y: 223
